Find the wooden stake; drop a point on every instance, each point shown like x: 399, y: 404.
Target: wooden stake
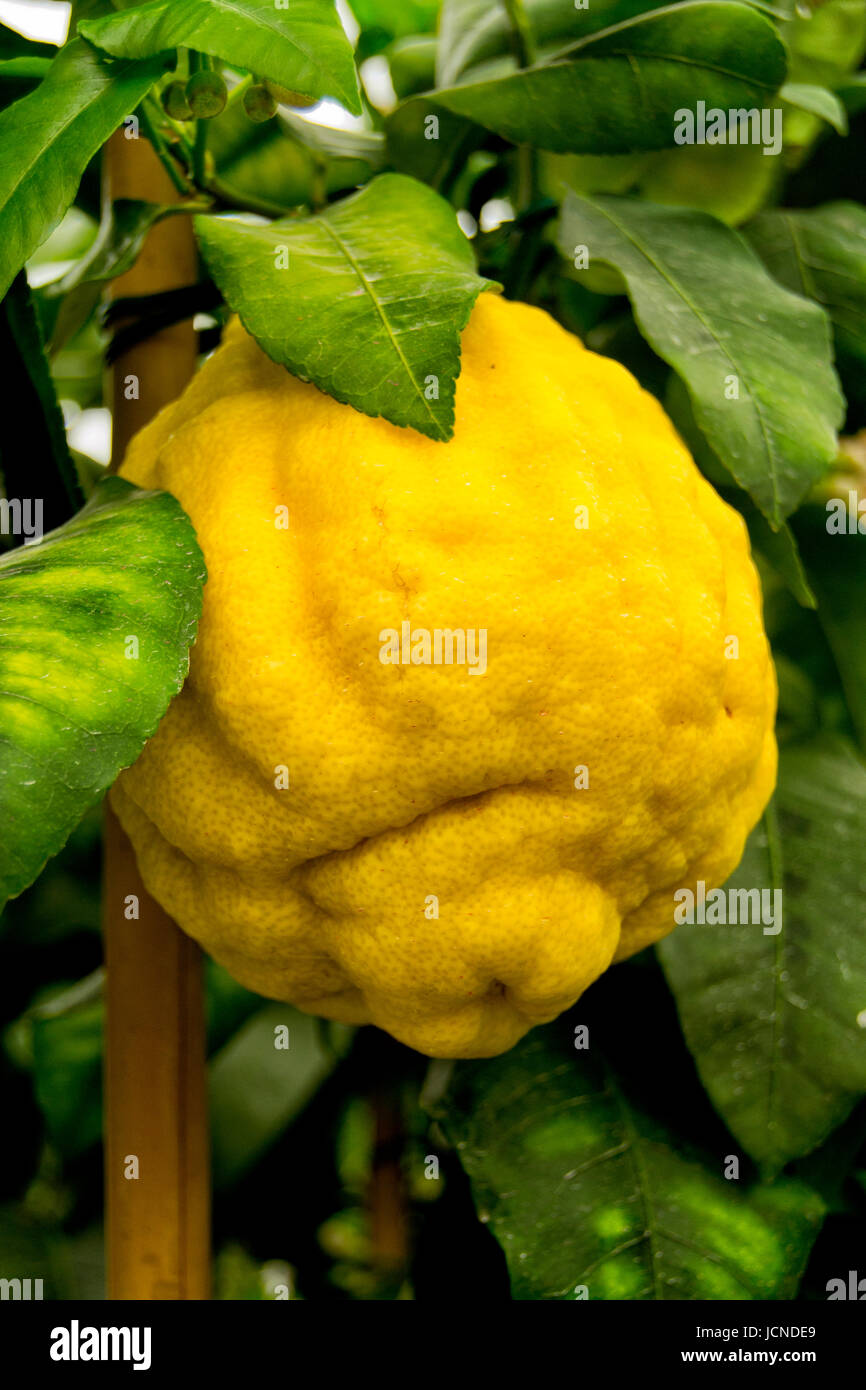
x: 156, y: 1134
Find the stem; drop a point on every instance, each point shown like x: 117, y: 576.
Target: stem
x: 199, y: 152
x: 238, y: 90
x: 161, y: 151
x: 525, y: 53
x: 233, y: 198
x: 521, y: 33
x: 319, y: 191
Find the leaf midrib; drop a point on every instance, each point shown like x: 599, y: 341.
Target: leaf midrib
x: 367, y: 286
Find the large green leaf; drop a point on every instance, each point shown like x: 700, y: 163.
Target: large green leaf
x: 50, y: 136
x: 301, y: 46
x: 821, y: 253
x: 78, y: 696
x: 776, y: 1022
x: 344, y: 313
x: 584, y: 1192
x: 756, y: 359
x: 618, y: 90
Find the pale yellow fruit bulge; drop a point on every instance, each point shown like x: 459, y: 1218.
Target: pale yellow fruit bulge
x: 431, y: 866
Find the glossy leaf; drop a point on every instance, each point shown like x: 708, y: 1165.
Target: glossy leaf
x: 302, y: 47
x: 49, y: 138
x: 619, y: 90
x: 589, y: 1198
x: 78, y: 700
x: 371, y: 304
x: 756, y: 359
x: 776, y: 1022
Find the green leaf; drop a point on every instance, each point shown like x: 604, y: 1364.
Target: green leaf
x: 302, y: 47
x: 821, y: 253
x: 776, y: 1023
x: 411, y: 63
x: 67, y: 1064
x: 618, y: 90
x: 74, y: 710
x: 778, y: 435
x: 257, y: 1087
x: 44, y: 469
x: 371, y: 305
x: 50, y: 137
x: 819, y: 101
x: 584, y: 1192
x: 69, y: 301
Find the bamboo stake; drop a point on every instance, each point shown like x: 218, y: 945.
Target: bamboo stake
x: 158, y: 1222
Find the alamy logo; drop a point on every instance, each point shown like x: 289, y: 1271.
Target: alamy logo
x: 22, y: 517
x: 25, y: 1289
x: 76, y: 1343
x: 732, y: 907
x: 421, y: 646
x: 854, y: 1289
x: 738, y: 126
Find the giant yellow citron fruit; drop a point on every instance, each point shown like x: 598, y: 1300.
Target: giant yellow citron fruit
x: 451, y: 849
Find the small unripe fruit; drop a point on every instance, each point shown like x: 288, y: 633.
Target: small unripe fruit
x: 206, y: 93
x: 174, y: 102
x: 259, y: 104
x: 287, y: 97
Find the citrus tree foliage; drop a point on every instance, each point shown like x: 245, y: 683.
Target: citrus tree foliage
x: 356, y: 177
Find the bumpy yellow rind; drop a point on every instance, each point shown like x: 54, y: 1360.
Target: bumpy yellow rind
x: 631, y: 646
